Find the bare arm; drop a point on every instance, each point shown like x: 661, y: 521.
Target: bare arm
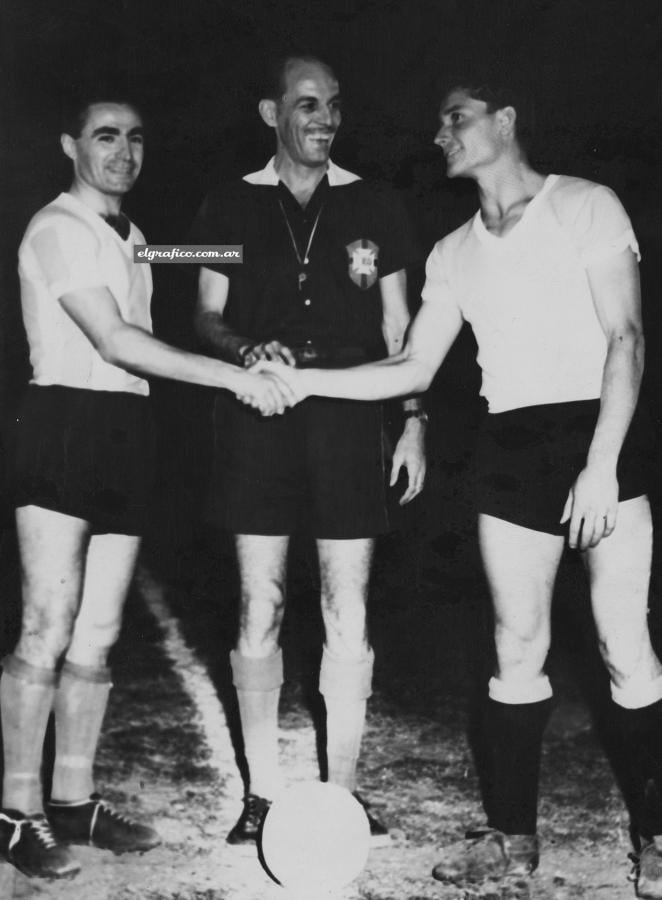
x: 218, y: 336
x: 214, y: 333
x: 409, y: 452
x: 119, y: 343
x: 616, y: 295
x: 395, y: 314
x: 396, y: 319
x: 410, y: 371
x: 594, y: 498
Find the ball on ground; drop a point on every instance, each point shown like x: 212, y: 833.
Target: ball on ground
x: 315, y: 835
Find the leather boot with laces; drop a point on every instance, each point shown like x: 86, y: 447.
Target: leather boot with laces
x: 647, y: 869
x: 249, y: 824
x: 27, y: 842
x: 96, y: 823
x: 488, y: 854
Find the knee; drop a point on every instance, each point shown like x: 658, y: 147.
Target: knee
x: 619, y: 662
x: 92, y: 642
x: 522, y: 648
x: 259, y: 622
x: 262, y: 587
x: 628, y: 653
x: 44, y: 637
x: 636, y: 678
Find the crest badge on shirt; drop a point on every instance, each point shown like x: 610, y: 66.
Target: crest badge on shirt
x: 363, y: 255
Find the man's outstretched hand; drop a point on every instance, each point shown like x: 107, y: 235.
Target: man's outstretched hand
x: 288, y: 379
x: 265, y: 391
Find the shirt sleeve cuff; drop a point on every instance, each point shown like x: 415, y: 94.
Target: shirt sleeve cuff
x: 598, y: 253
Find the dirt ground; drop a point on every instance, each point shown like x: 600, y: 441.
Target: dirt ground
x: 429, y: 628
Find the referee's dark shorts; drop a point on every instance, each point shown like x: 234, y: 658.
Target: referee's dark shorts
x: 319, y: 467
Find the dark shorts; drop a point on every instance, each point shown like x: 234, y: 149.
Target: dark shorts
x: 318, y: 467
x: 88, y: 454
x: 528, y: 459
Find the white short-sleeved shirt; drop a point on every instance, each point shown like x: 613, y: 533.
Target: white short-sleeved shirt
x: 68, y: 247
x: 527, y: 296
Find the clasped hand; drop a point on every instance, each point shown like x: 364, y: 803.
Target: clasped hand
x: 272, y: 383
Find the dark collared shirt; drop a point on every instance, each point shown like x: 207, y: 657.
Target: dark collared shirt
x: 362, y: 234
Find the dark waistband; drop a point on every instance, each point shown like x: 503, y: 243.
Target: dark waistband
x: 542, y: 408
x: 314, y: 355
x: 67, y: 391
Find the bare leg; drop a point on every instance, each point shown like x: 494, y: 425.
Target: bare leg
x: 257, y: 661
x: 52, y: 551
x: 521, y: 566
x: 619, y: 570
x: 82, y: 694
x: 347, y: 661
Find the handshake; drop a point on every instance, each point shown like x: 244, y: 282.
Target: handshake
x: 271, y: 383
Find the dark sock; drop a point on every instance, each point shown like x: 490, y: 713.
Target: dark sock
x: 641, y: 732
x: 513, y: 733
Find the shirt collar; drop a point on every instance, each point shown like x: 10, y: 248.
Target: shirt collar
x: 314, y: 203
x: 85, y: 211
x: 269, y: 176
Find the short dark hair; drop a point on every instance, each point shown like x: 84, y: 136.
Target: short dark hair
x: 275, y: 76
x: 497, y: 94
x: 77, y: 110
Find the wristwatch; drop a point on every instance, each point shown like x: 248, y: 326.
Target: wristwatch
x: 419, y: 414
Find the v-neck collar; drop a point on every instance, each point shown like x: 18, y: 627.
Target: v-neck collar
x: 94, y: 218
x: 487, y: 237
x: 315, y: 201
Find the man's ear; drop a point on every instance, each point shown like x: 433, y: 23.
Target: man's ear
x: 68, y: 145
x: 507, y: 118
x: 268, y: 110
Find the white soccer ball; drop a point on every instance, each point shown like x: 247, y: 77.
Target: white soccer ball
x: 315, y: 836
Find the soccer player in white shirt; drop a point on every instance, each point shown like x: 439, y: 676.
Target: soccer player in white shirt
x: 546, y: 274
x: 84, y: 462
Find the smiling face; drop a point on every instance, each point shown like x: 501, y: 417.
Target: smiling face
x: 108, y: 153
x: 307, y: 116
x: 471, y: 136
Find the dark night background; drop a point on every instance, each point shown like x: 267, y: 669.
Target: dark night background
x: 593, y: 67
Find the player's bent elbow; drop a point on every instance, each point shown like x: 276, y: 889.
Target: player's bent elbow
x: 107, y: 350
x: 422, y: 375
x: 112, y: 348
x: 629, y: 341
x: 208, y: 324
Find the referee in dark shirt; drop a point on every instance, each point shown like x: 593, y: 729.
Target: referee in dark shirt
x: 323, y: 282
